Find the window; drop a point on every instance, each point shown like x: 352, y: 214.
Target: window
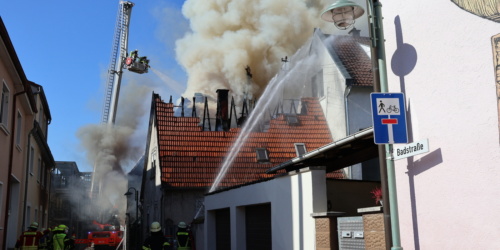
x: 39, y: 176
x: 152, y: 175
x: 32, y: 158
x: 292, y: 120
x: 317, y: 85
x: 4, y: 105
x: 40, y: 115
x: 300, y: 149
x: 153, y: 170
x: 28, y: 217
x: 36, y: 214
x: 43, y: 218
x: 44, y: 175
x: 63, y: 181
x: 41, y: 119
x: 19, y: 129
x: 262, y: 155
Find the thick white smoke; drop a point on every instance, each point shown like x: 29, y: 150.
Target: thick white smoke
x: 228, y: 35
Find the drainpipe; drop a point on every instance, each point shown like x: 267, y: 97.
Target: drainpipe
x: 346, y: 103
x: 28, y: 160
x: 391, y: 222
x: 49, y: 184
x: 347, y: 129
x: 11, y: 159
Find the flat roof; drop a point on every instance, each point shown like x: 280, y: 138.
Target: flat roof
x: 353, y: 149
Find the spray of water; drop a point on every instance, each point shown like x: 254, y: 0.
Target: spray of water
x: 289, y: 84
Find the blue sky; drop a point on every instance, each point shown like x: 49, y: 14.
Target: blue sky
x: 65, y: 46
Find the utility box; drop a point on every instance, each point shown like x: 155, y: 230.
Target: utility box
x: 350, y: 232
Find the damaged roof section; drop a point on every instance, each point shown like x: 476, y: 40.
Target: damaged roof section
x: 192, y: 158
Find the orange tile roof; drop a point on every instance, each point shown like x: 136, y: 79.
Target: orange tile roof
x: 190, y: 157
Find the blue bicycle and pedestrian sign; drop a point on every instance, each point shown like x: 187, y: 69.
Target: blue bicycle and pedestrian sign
x: 389, y: 118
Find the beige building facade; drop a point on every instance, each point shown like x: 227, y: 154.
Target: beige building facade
x: 25, y: 157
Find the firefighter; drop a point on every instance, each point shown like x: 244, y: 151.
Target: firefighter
x: 45, y: 241
x: 30, y: 238
x: 69, y: 244
x: 60, y: 238
x: 156, y: 241
x: 183, y: 237
x: 134, y: 55
x: 144, y: 60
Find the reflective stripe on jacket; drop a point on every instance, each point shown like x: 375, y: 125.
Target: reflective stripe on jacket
x: 183, y: 241
x: 156, y: 242
x: 58, y: 241
x: 29, y: 240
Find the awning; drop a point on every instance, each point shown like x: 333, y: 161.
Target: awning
x: 355, y: 148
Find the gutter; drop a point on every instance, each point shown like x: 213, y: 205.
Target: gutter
x: 320, y: 150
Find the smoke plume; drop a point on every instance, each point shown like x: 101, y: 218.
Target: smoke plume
x: 228, y: 35
x: 112, y: 149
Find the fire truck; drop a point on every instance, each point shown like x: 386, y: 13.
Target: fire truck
x: 108, y: 237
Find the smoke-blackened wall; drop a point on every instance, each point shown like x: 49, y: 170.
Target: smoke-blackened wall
x: 226, y: 36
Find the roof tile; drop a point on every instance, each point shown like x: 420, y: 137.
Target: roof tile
x: 190, y: 157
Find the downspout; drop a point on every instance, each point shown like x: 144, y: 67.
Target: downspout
x: 28, y: 160
x: 346, y: 103
x: 162, y: 200
x: 348, y: 130
x: 49, y: 207
x: 11, y: 158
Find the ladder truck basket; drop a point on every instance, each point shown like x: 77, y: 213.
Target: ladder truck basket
x: 135, y: 66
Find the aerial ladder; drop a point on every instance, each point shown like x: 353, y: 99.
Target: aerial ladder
x: 119, y: 60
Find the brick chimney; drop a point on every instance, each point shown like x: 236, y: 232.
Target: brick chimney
x: 222, y: 120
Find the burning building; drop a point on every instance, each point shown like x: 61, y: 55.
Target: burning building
x: 183, y: 160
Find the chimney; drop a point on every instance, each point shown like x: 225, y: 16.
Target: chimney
x: 222, y: 121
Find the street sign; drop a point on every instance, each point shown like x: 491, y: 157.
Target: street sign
x: 389, y: 118
x: 410, y: 149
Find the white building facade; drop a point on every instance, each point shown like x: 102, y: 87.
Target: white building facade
x: 444, y: 63
x: 444, y: 59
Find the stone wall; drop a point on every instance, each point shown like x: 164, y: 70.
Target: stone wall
x: 326, y: 233
x: 374, y: 231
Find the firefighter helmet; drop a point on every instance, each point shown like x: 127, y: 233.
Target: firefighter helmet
x: 155, y: 227
x: 182, y: 224
x: 34, y: 225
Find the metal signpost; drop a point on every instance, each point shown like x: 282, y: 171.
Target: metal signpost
x: 389, y: 127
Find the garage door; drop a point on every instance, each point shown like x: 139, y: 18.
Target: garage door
x: 258, y: 227
x: 222, y: 229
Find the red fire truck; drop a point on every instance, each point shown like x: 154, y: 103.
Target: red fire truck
x: 106, y: 238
